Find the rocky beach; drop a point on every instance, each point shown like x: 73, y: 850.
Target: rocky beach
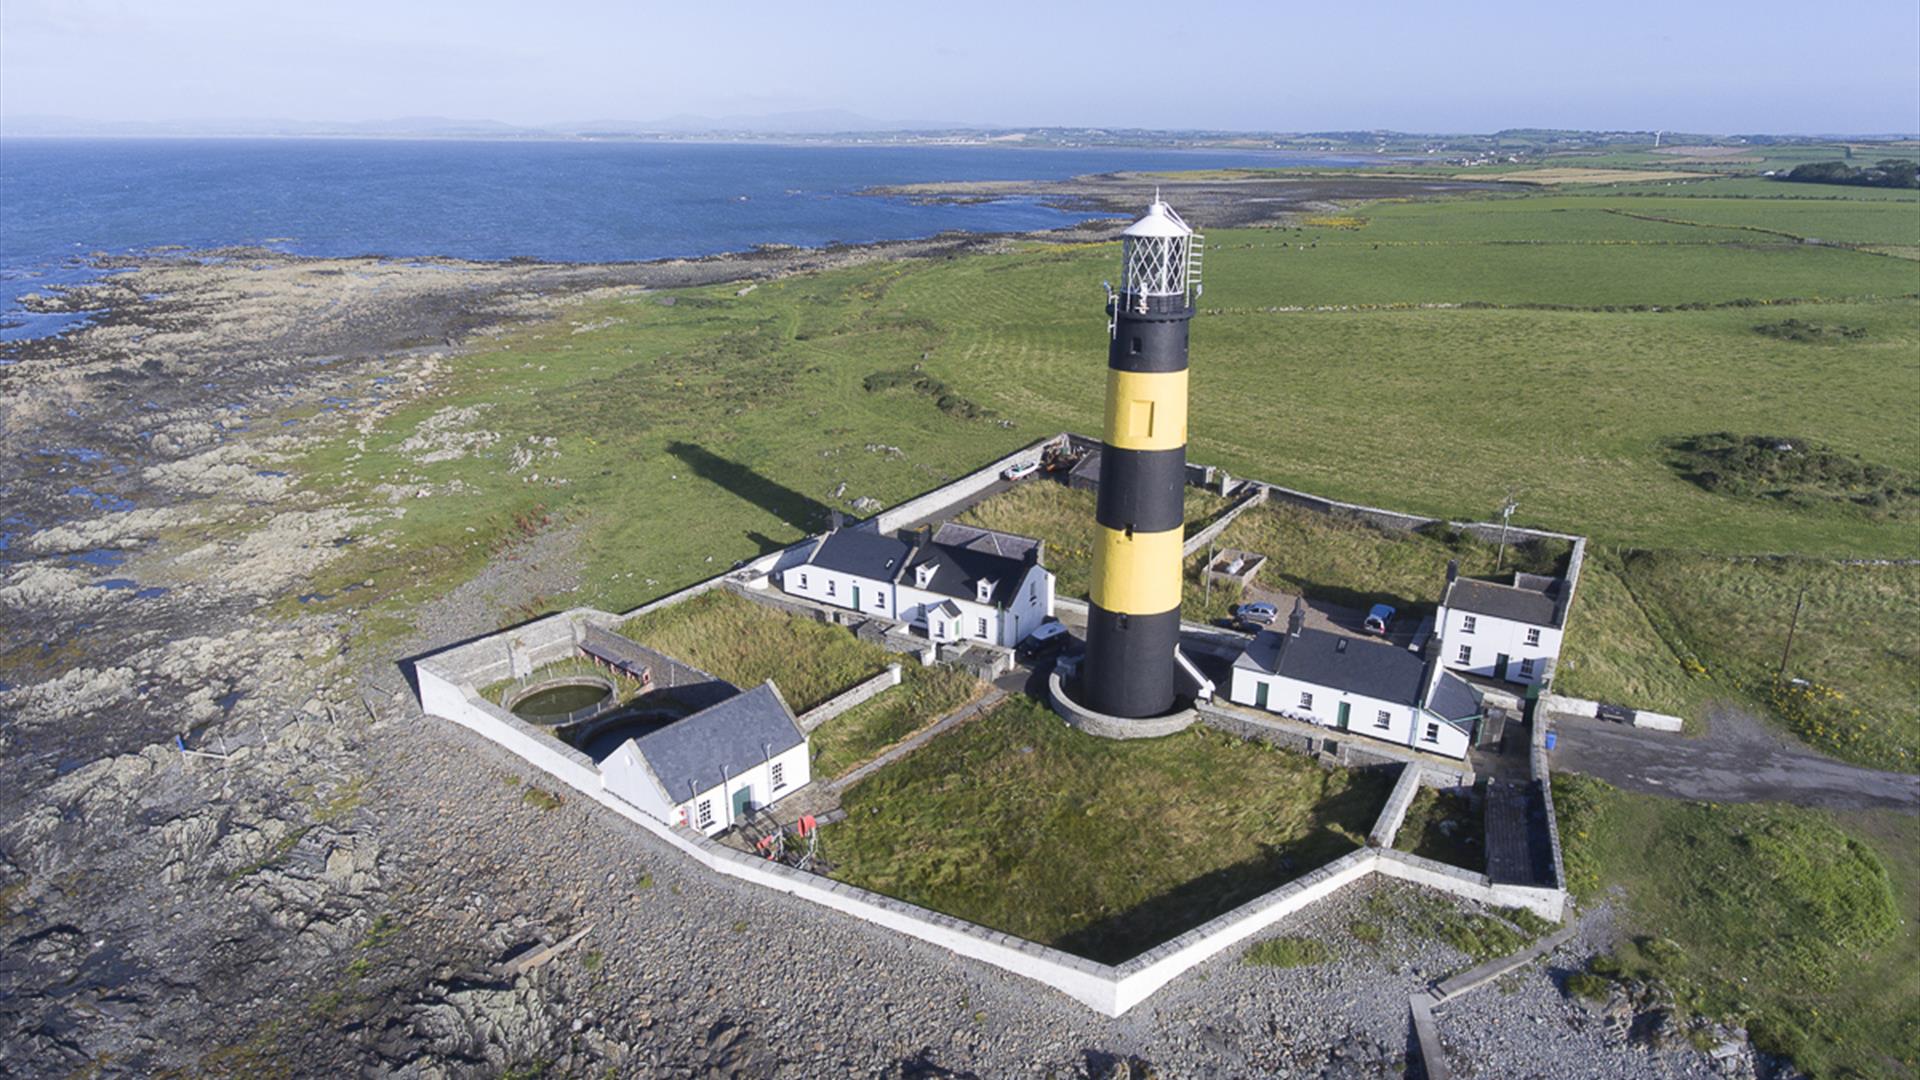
x: 230, y: 845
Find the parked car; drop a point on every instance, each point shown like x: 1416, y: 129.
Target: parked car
x: 1049, y: 638
x: 1256, y: 615
x: 1616, y: 714
x: 1379, y: 618
x: 1020, y: 471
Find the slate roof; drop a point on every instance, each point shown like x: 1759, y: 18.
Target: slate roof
x: 698, y: 752
x: 989, y: 541
x: 1536, y: 606
x: 1453, y: 700
x: 867, y: 554
x: 957, y: 569
x: 1357, y: 665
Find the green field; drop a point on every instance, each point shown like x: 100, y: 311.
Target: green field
x: 754, y: 410
x: 1430, y: 357
x: 1098, y: 847
x: 1803, y: 925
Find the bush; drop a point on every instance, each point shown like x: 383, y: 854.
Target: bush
x: 1589, y: 986
x: 1367, y: 933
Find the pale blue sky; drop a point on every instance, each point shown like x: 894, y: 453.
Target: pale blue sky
x: 1757, y: 66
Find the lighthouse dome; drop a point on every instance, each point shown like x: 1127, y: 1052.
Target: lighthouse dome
x: 1160, y: 221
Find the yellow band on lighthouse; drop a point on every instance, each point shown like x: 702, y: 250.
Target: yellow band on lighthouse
x: 1137, y: 575
x: 1146, y: 410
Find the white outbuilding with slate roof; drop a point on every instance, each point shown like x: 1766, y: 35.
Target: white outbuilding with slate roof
x: 958, y: 584
x: 1502, y: 631
x: 1356, y: 685
x: 716, y: 767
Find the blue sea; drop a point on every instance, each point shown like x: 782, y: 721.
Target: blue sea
x: 64, y: 199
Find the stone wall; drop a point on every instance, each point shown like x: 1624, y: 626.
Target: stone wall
x: 939, y: 499
x: 1546, y: 903
x: 847, y: 699
x: 1394, y: 813
x: 1113, y: 727
x: 1208, y: 535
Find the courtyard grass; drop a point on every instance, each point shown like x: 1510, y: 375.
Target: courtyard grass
x: 747, y: 643
x: 1802, y: 924
x: 1102, y: 848
x: 924, y: 695
x: 1347, y: 561
x: 1444, y: 826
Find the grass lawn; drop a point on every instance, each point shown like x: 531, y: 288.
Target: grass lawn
x: 924, y: 695
x: 1444, y: 827
x: 1101, y: 848
x: 1670, y: 631
x: 747, y: 644
x: 1804, y: 925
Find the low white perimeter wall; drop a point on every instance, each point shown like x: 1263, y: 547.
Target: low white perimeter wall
x: 1569, y: 706
x: 1654, y: 721
x: 847, y: 699
x: 1102, y: 987
x: 1546, y: 903
x: 1155, y: 968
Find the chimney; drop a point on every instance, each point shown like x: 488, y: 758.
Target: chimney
x: 834, y: 520
x: 1298, y: 618
x: 1453, y: 570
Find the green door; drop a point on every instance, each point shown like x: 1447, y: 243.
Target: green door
x: 1344, y: 709
x: 1500, y: 666
x: 743, y: 803
x: 1260, y: 695
x: 856, y: 598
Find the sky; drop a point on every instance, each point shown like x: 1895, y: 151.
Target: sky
x: 1760, y: 66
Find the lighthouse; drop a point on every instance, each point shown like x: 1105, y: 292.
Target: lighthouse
x: 1133, y: 625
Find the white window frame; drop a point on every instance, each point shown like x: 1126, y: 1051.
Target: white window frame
x: 829, y: 586
x: 1382, y: 720
x: 1306, y: 700
x: 703, y: 814
x: 1466, y: 655
x: 1526, y: 667
x: 981, y: 622
x: 1533, y: 635
x: 778, y: 770
x: 1433, y: 732
x: 1467, y: 623
x: 803, y: 580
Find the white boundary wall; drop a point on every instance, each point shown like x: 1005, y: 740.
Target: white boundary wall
x: 940, y: 498
x: 1104, y: 988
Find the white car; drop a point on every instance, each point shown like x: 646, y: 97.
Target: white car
x: 1021, y: 471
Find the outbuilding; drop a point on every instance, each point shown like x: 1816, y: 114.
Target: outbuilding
x: 717, y: 767
x: 1502, y: 631
x: 1357, y: 685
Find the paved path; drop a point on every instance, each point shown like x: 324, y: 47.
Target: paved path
x: 1739, y: 760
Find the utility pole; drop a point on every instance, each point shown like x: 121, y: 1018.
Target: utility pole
x: 1506, y: 515
x: 1791, y: 626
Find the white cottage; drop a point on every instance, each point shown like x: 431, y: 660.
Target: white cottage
x: 1502, y: 631
x: 717, y: 767
x: 1356, y: 685
x: 958, y: 584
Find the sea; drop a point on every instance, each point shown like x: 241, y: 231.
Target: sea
x: 63, y: 200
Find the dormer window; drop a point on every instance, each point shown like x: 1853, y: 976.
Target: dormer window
x: 923, y: 575
x: 983, y: 590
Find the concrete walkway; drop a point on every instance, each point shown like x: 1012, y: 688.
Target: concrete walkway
x: 1738, y: 760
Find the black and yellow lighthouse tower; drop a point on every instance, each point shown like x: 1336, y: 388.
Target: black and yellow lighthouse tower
x: 1133, y: 627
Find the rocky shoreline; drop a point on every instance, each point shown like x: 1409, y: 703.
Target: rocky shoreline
x: 230, y: 846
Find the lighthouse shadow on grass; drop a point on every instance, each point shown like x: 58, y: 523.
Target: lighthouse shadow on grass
x: 796, y: 509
